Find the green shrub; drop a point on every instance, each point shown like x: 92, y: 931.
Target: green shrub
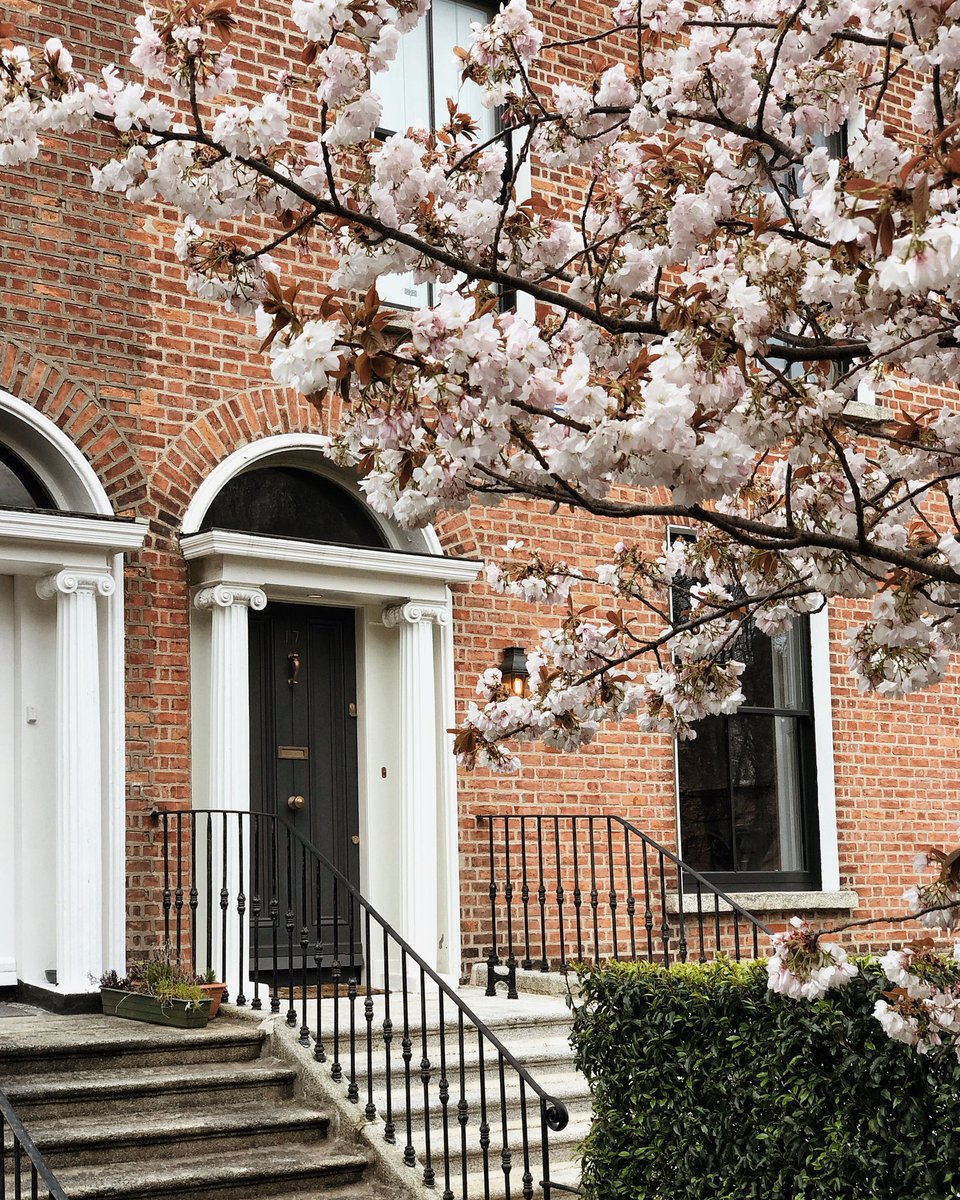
x: 706, y: 1085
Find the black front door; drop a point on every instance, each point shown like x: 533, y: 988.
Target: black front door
x: 303, y: 757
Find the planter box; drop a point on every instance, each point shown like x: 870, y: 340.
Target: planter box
x: 135, y: 1007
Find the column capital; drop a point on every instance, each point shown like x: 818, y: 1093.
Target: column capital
x: 225, y: 595
x: 413, y: 612
x: 68, y: 582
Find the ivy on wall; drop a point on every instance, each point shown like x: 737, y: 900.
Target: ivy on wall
x: 707, y: 1086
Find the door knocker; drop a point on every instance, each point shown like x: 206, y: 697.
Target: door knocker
x: 293, y: 662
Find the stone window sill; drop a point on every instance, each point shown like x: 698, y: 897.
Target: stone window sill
x: 770, y: 902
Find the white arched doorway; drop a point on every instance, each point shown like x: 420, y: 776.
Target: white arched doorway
x: 393, y: 589
x: 62, y: 886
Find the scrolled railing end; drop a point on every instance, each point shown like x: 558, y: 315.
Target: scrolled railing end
x: 555, y: 1113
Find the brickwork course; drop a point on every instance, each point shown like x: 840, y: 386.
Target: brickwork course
x: 156, y: 388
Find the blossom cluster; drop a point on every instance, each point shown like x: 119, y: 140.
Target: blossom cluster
x: 805, y: 967
x: 698, y: 324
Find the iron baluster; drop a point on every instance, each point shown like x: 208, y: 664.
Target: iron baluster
x: 527, y: 1178
x: 681, y: 917
x: 425, y: 1075
x: 291, y: 924
x: 594, y: 894
x: 319, y: 1052
x: 389, y: 1128
x: 506, y: 1159
x: 664, y: 914
x: 716, y: 920
x: 443, y: 1094
x: 736, y: 935
x: 165, y: 903
x: 336, y: 1071
x: 255, y: 911
x: 508, y: 898
x: 613, y: 889
x: 563, y: 935
x: 178, y: 894
x: 463, y: 1108
x: 647, y: 910
x: 241, y: 999
x: 209, y: 857
x: 370, y: 1109
x: 304, y: 947
x: 406, y: 1046
x: 275, y: 916
x: 353, y: 1090
x: 631, y: 899
x: 22, y: 1146
x: 577, y: 893
x: 756, y: 943
x: 526, y: 962
x: 493, y: 958
x: 542, y: 898
x: 224, y: 900
x: 194, y: 895
x: 703, y: 953
x: 484, y: 1123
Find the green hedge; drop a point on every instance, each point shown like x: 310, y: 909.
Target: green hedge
x: 707, y: 1085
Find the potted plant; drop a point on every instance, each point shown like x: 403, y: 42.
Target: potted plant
x: 159, y: 991
x: 212, y: 988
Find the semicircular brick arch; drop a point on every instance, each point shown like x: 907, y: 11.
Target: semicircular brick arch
x: 234, y: 422
x: 83, y: 418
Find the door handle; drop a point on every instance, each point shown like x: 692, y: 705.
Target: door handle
x: 295, y: 802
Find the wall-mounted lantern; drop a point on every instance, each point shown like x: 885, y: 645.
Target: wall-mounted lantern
x: 513, y: 670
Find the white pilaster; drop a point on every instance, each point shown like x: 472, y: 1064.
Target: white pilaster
x: 79, y: 792
x: 229, y: 757
x: 229, y: 785
x: 420, y: 838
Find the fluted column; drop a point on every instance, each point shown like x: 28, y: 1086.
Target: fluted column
x: 229, y: 750
x: 419, y: 779
x: 79, y: 798
x: 229, y: 774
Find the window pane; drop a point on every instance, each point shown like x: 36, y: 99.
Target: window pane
x: 451, y: 27
x: 404, y: 87
x: 19, y: 486
x: 705, y: 818
x: 765, y: 776
x: 774, y: 675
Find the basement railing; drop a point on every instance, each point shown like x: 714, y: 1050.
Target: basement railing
x: 245, y: 895
x: 568, y: 890
x: 24, y: 1170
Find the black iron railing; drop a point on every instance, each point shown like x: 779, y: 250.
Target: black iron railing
x: 578, y: 889
x: 246, y: 896
x: 23, y: 1171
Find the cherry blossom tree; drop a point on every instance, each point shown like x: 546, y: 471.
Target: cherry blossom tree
x: 692, y: 341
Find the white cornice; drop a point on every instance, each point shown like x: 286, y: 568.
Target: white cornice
x: 356, y: 560
x: 71, y: 532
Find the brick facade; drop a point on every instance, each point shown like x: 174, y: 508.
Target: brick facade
x: 156, y: 388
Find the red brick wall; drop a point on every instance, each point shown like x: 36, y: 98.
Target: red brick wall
x: 156, y: 388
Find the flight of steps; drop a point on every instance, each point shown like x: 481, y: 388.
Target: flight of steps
x: 123, y: 1109
x: 536, y: 1029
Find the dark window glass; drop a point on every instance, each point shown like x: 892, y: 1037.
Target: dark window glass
x: 290, y: 502
x: 19, y: 486
x: 747, y: 785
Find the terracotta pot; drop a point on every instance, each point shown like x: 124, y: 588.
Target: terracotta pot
x: 215, y: 992
x: 183, y: 1014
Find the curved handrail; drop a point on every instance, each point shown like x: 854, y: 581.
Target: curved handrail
x: 555, y: 1110
x: 40, y: 1171
x: 611, y: 892
x: 692, y: 874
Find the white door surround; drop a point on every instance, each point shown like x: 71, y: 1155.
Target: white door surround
x: 62, y: 729
x: 408, y: 811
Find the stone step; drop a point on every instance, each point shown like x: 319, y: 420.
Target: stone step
x: 111, y: 1043
x: 116, y: 1138
x: 275, y: 1172
x: 150, y: 1090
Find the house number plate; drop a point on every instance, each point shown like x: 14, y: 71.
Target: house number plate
x: 299, y: 752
